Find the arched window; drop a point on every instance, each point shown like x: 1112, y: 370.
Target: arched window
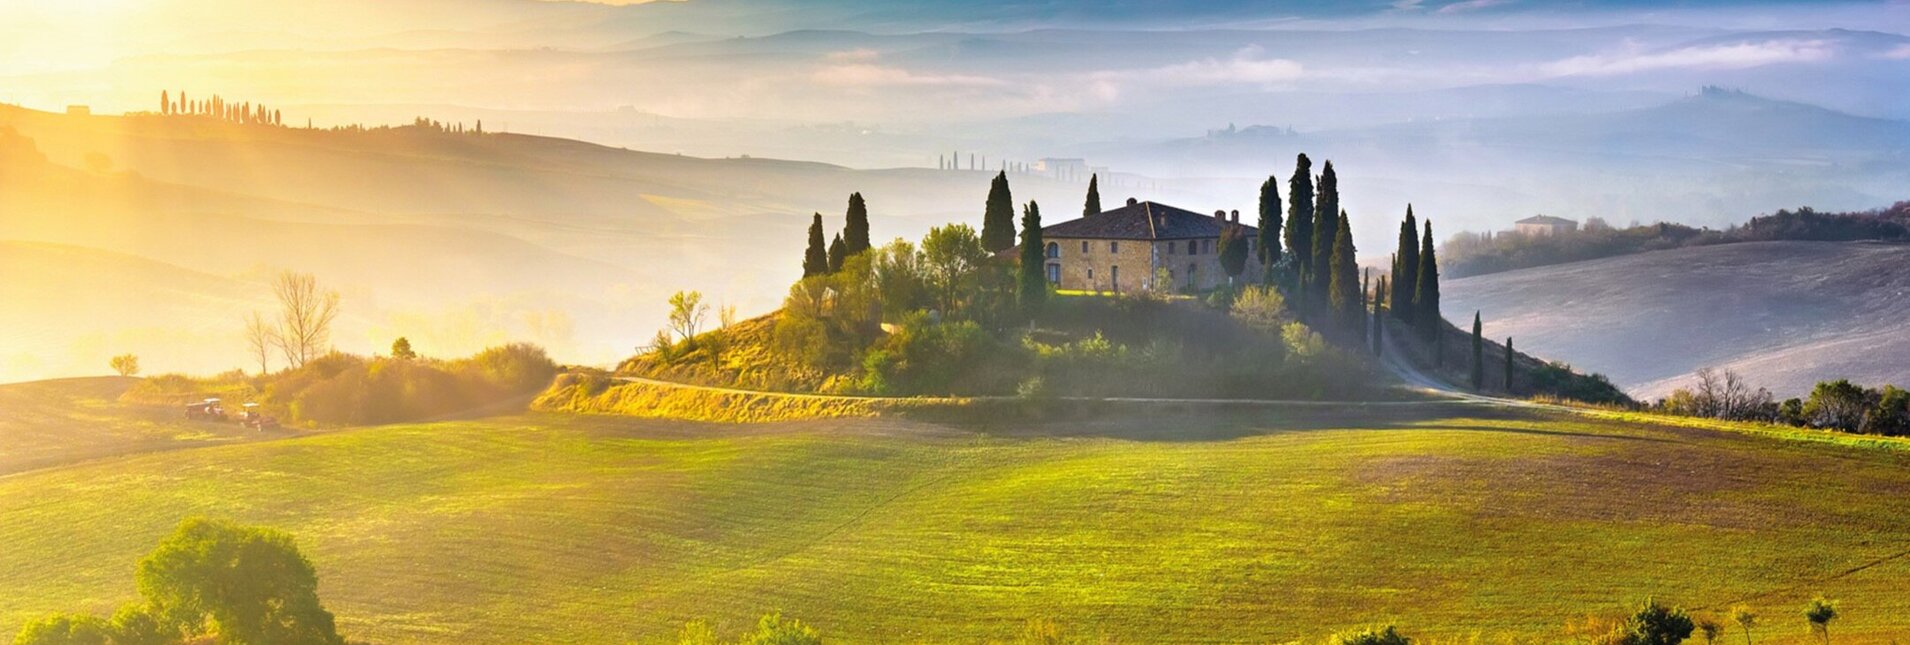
x: 1054, y: 250
x: 1193, y: 247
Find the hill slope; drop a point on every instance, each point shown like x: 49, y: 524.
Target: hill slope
x: 1785, y: 314
x: 1189, y: 526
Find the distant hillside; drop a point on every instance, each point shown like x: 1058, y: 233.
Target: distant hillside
x: 1784, y: 314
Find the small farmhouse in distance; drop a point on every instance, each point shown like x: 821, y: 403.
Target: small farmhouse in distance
x: 1124, y: 250
x: 1538, y: 225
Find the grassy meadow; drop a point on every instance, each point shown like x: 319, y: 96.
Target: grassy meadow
x: 1182, y: 524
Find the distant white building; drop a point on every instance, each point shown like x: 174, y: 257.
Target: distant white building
x: 1545, y: 225
x: 78, y: 110
x: 1064, y: 169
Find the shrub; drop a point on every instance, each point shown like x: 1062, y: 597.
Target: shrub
x: 1387, y: 636
x: 1655, y: 624
x: 773, y: 629
x: 65, y: 629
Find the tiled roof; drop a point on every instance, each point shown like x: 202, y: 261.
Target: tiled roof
x: 1547, y: 220
x: 1140, y: 221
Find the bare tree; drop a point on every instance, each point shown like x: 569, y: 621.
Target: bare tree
x: 261, y: 338
x: 305, y: 316
x: 1724, y: 394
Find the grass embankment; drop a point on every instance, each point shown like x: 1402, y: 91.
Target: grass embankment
x: 1193, y: 526
x: 584, y: 393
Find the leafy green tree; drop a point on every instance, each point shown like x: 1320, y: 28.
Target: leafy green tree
x: 1746, y: 618
x: 1890, y: 416
x: 1387, y: 636
x: 125, y: 365
x: 1426, y: 298
x: 1478, y: 354
x: 1326, y: 233
x: 136, y: 624
x: 855, y: 230
x: 401, y: 348
x: 65, y: 629
x: 1299, y: 232
x: 838, y: 251
x: 1034, y: 276
x: 998, y: 220
x: 1233, y: 251
x: 247, y: 585
x: 1406, y: 268
x: 1656, y: 624
x: 1344, y: 277
x: 1269, y: 240
x: 1838, y: 404
x: 815, y: 259
x: 952, y: 259
x: 773, y: 629
x: 1820, y: 612
x: 1093, y: 205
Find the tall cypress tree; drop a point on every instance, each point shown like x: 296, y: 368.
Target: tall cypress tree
x: 837, y: 253
x: 998, y: 221
x: 1326, y: 207
x: 1508, y: 364
x: 1379, y: 320
x: 1343, y: 283
x: 1366, y: 292
x: 855, y: 231
x: 1034, y: 279
x: 1426, y: 298
x: 1269, y: 240
x: 815, y: 259
x: 1300, y: 214
x: 1478, y: 354
x: 1093, y: 205
x: 1406, y: 268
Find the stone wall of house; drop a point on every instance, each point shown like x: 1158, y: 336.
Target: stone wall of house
x: 1094, y: 268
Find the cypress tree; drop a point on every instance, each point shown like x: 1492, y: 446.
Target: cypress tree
x: 837, y: 253
x: 1508, y: 364
x: 1269, y: 240
x: 1325, y: 226
x: 1478, y: 354
x: 1343, y: 283
x: 1034, y: 278
x: 1406, y: 268
x: 1093, y: 205
x: 1426, y: 297
x: 998, y: 221
x: 1366, y: 286
x: 855, y: 231
x: 1379, y: 320
x: 1300, y: 214
x: 165, y: 102
x: 815, y: 260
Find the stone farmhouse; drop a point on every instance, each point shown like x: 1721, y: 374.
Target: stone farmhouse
x: 1538, y: 225
x: 1127, y: 249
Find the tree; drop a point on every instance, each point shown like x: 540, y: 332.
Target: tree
x: 1379, y: 319
x: 773, y: 629
x: 1093, y: 205
x: 998, y: 220
x: 1034, y: 260
x: 1406, y: 268
x: 165, y: 102
x: 260, y: 338
x: 1387, y: 636
x: 1300, y: 214
x: 1509, y: 354
x: 951, y: 257
x: 1478, y: 354
x: 815, y: 259
x: 855, y: 231
x: 1655, y: 624
x: 838, y: 251
x: 1745, y: 618
x: 401, y: 349
x: 1343, y: 277
x: 1710, y: 628
x: 125, y: 364
x: 64, y: 629
x: 305, y: 316
x: 686, y: 314
x: 249, y: 583
x: 1820, y: 612
x: 1426, y: 297
x: 1837, y: 404
x: 1269, y: 241
x: 1326, y: 227
x: 1233, y: 251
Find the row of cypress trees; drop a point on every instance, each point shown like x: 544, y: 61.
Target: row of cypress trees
x: 1415, y: 297
x: 818, y: 259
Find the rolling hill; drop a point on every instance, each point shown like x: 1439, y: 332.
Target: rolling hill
x: 1184, y: 524
x: 1784, y: 314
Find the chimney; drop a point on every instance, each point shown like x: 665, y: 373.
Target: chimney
x: 1132, y: 201
x: 1221, y: 216
x: 1236, y: 217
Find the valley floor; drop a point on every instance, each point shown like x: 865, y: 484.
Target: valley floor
x: 1188, y: 525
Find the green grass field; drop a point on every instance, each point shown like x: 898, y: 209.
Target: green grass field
x: 1454, y: 522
